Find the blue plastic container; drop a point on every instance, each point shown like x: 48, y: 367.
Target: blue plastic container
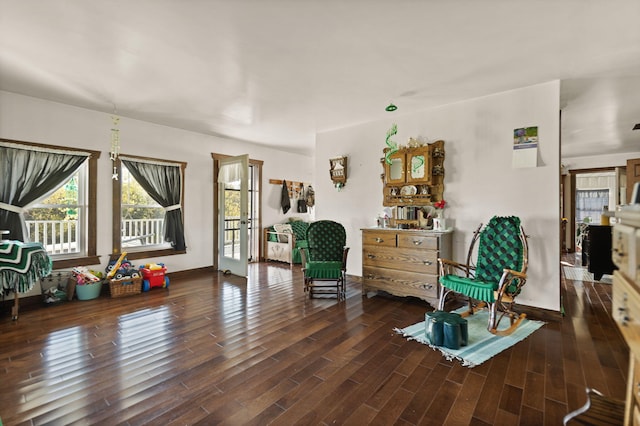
x: 89, y: 291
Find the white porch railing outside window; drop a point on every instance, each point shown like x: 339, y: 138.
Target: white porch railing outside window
x: 62, y: 236
x: 142, y: 232
x: 57, y: 236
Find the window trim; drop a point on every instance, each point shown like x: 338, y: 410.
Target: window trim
x: 116, y: 238
x: 83, y: 206
x: 91, y: 257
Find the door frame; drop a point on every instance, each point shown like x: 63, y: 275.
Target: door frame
x: 216, y: 169
x: 569, y: 204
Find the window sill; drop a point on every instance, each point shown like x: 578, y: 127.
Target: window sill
x: 149, y: 254
x: 77, y: 261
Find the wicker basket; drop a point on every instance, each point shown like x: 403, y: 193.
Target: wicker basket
x: 125, y: 286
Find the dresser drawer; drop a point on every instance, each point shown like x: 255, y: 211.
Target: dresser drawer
x: 625, y: 310
x: 375, y: 238
x: 418, y: 241
x: 635, y: 385
x: 634, y: 260
x: 400, y: 283
x: 624, y: 243
x: 421, y: 261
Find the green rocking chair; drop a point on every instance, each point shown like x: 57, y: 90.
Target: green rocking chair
x: 496, y: 278
x: 324, y: 261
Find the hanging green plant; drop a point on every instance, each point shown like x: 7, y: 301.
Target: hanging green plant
x: 393, y: 147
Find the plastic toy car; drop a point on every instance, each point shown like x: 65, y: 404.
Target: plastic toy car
x: 153, y: 275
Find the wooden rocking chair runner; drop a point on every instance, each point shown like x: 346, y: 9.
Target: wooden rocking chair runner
x: 496, y: 278
x: 324, y: 261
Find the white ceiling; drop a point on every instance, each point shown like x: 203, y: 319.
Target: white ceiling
x: 277, y: 72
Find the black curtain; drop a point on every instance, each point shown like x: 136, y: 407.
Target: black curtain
x: 28, y: 175
x: 163, y: 183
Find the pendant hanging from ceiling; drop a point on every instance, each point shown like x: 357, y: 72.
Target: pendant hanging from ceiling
x: 115, y: 145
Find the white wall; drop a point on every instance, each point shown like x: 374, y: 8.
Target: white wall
x: 479, y: 179
x: 34, y: 120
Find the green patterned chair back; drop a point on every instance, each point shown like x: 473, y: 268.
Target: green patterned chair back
x: 326, y: 240
x: 499, y: 247
x: 299, y: 228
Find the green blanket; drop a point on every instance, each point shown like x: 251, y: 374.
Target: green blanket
x: 22, y: 265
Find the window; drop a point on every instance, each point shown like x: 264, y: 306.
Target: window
x: 59, y: 221
x: 141, y: 217
x: 62, y: 216
x: 147, y: 207
x: 590, y: 203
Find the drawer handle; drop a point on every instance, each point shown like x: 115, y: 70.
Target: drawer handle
x: 428, y: 286
x: 371, y: 256
x: 417, y: 242
x: 624, y: 318
x: 428, y: 262
x: 379, y: 240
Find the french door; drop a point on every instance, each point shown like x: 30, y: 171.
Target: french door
x: 233, y: 215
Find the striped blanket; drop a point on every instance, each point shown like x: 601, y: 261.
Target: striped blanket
x: 21, y: 266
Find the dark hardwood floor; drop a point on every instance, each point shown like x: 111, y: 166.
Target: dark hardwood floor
x: 214, y: 349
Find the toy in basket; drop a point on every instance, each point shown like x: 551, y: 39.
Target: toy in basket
x: 153, y: 275
x: 124, y: 279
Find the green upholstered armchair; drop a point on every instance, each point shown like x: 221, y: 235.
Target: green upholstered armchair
x: 496, y: 278
x: 324, y: 260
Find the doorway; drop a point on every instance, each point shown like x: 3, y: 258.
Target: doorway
x: 586, y: 193
x: 228, y: 232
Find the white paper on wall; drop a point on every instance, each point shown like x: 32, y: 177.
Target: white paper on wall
x: 525, y: 147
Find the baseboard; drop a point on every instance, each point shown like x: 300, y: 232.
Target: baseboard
x: 36, y: 301
x: 189, y: 272
x: 539, y: 313
x: 354, y: 278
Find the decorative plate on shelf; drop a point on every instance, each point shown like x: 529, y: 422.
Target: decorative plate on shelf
x: 409, y: 190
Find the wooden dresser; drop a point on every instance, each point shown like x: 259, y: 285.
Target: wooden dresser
x: 403, y: 262
x: 626, y: 300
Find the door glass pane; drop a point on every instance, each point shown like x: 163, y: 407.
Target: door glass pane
x: 232, y: 220
x: 417, y: 167
x: 395, y: 169
x: 254, y: 218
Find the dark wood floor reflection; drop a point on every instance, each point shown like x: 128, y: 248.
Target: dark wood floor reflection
x: 214, y: 349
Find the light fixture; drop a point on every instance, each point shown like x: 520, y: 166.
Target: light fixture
x: 391, y: 108
x: 115, y: 145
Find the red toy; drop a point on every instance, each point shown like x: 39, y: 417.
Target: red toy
x: 153, y: 275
